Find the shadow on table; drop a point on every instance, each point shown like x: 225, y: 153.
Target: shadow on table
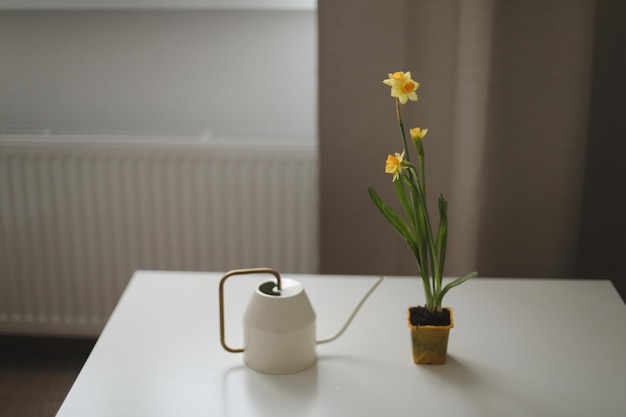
x: 479, y: 383
x: 282, y: 395
x: 268, y: 394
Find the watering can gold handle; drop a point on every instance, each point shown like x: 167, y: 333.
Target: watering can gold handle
x: 247, y: 271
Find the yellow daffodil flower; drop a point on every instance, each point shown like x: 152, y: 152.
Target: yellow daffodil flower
x: 394, y: 165
x: 417, y: 133
x: 402, y: 86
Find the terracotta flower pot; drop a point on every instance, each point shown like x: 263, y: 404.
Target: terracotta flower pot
x: 430, y: 343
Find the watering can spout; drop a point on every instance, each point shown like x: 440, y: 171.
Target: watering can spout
x: 354, y: 312
x: 279, y: 324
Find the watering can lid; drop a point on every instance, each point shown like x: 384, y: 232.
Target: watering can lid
x: 289, y: 288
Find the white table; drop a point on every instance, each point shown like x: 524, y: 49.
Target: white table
x: 518, y: 348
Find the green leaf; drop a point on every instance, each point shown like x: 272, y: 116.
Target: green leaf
x: 406, y: 205
x: 419, y: 212
x: 424, y: 230
x: 456, y: 282
x: 420, y: 153
x: 442, y: 233
x: 394, y: 219
x: 421, y: 236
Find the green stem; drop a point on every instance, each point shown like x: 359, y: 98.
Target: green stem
x: 432, y: 253
x: 418, y: 219
x: 401, y: 124
x: 429, y: 255
x: 419, y: 146
x: 427, y: 288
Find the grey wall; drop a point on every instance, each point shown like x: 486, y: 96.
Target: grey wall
x: 522, y: 100
x: 241, y: 69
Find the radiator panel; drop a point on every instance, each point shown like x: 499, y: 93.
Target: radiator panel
x: 77, y: 220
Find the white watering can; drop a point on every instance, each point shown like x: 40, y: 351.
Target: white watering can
x: 279, y: 325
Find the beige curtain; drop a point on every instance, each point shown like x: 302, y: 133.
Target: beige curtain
x: 508, y: 90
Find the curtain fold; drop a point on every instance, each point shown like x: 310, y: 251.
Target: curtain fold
x: 505, y: 91
x: 535, y: 141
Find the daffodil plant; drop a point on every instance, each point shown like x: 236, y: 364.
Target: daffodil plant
x: 428, y: 247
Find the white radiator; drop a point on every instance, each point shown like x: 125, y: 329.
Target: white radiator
x: 80, y: 213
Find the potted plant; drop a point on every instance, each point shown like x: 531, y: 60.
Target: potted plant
x: 430, y: 324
